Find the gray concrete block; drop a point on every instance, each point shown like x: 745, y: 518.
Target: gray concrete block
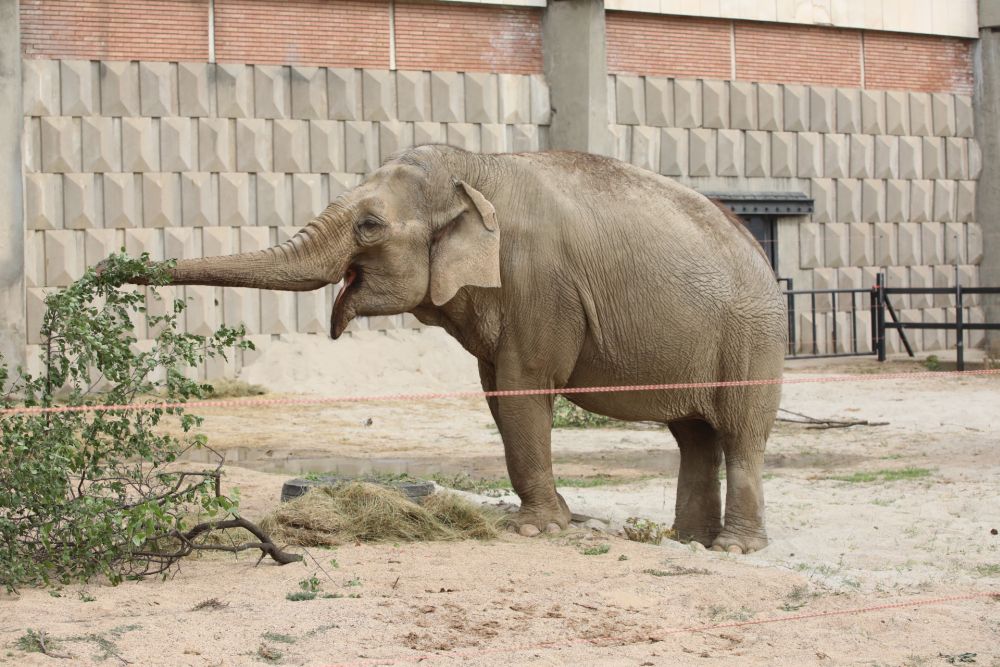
x: 836, y: 155
x: 956, y: 158
x: 119, y: 88
x: 216, y: 147
x: 447, y: 97
x: 253, y: 145
x: 234, y: 91
x: 934, y: 339
x: 343, y: 94
x: 714, y: 104
x: 161, y: 200
x: 481, y: 97
x: 341, y: 183
x: 810, y: 154
x: 796, y: 108
x: 541, y: 108
x: 974, y: 239
x: 933, y: 157
x: 862, y: 245
x: 944, y: 200
x: 272, y: 91
x: 101, y: 144
x: 493, y: 138
x: 43, y: 207
x: 434, y: 133
x: 943, y: 114
x: 848, y: 200
x: 911, y: 157
x: 199, y: 199
x: 783, y: 153
x: 81, y: 201
x: 921, y: 123
x: 630, y: 95
x: 218, y: 241
x: 770, y: 111
x: 464, y: 135
x: 944, y: 276
x: 140, y: 145
x: 897, y: 200
x: 674, y: 151
x: 361, y: 153
x: 873, y: 200
x: 659, y: 102
x: 954, y: 243
x: 620, y: 142
x: 687, y: 103
x: 964, y: 125
x: 975, y: 159
x: 921, y: 200
x: 378, y: 89
x: 178, y: 144
x: 966, y: 201
x: 824, y: 194
x: 291, y: 146
x: 307, y: 198
x: 242, y: 306
x: 822, y: 109
x: 897, y: 113
x: 79, y: 89
x: 899, y: 276
x: 849, y: 277
x: 848, y: 103
x: 121, y: 201
x: 810, y: 245
x: 40, y: 87
x: 758, y: 154
x: 932, y: 242
x: 413, y: 95
x: 326, y: 145
x: 524, y: 138
x: 158, y: 89
x: 61, y: 144
x: 193, y: 98
x: 203, y: 317
x: 908, y: 238
x: 64, y: 255
x: 394, y: 136
x: 181, y: 243
x: 862, y: 163
x: 702, y: 152
x: 886, y: 244
x: 31, y: 145
x: 743, y: 105
x: 234, y: 203
x: 98, y: 244
x: 836, y: 243
x: 309, y: 93
x: 886, y: 156
x: 612, y: 100
x: 873, y: 111
x: 921, y: 277
x: 731, y: 157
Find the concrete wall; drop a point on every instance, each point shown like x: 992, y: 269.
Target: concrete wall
x: 12, y: 324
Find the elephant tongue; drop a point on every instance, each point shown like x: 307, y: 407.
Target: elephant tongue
x: 349, y: 279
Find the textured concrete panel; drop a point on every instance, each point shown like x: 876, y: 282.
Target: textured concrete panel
x: 898, y: 276
x: 873, y: 111
x: 101, y: 144
x: 360, y: 147
x: 702, y: 149
x: 908, y: 237
x: 140, y: 144
x: 770, y: 108
x: 193, y: 89
x: 873, y: 200
x: 31, y: 145
x: 181, y: 243
x: 886, y: 244
x: 43, y: 208
x: 966, y: 201
x: 34, y: 257
x: 277, y: 312
x: 216, y: 148
x: 161, y: 200
x: 944, y: 276
x: 897, y: 200
x: 783, y: 153
x: 234, y: 90
x: 524, y: 138
x: 218, y: 241
x: 481, y: 97
x: 911, y: 157
x: 464, y: 135
x: 630, y: 93
x: 119, y: 88
x: 378, y: 89
x: 121, y: 200
x: 271, y: 91
x: 98, y: 244
x: 413, y: 95
x: 493, y: 138
x: 203, y: 316
x: 234, y: 200
x: 645, y: 149
x: 730, y: 158
x: 862, y: 162
x: 975, y: 159
x: 810, y: 245
x: 199, y: 199
x: 824, y: 278
x: 934, y: 339
x: 309, y: 93
x: 437, y: 133
x: 674, y: 151
x: 61, y: 144
x: 848, y: 109
x: 934, y: 157
x: 157, y: 89
x: 944, y: 201
x: 886, y: 156
x: 620, y: 141
x: 836, y: 156
x: 291, y: 146
x: 687, y: 103
x: 836, y: 242
x: 64, y: 254
x: 81, y: 201
x: 714, y: 104
x: 343, y: 94
x: 448, y: 97
x: 35, y: 306
x: 326, y: 145
x: 897, y: 113
x: 921, y: 200
x: 307, y: 198
x: 824, y: 194
x: 957, y: 158
x: 954, y: 243
x: 921, y: 277
x: 932, y: 242
x: 974, y: 239
x: 79, y: 88
x: 659, y: 102
x: 274, y: 200
x: 40, y: 87
x: 178, y: 145
x: 849, y: 277
x: 541, y: 107
x: 822, y: 109
x: 964, y: 126
x: 253, y: 145
x: 862, y: 244
x: 241, y: 306
x: 921, y: 123
x: 743, y: 105
x: 796, y: 108
x: 848, y: 200
x: 810, y: 154
x: 341, y: 183
x: 943, y: 114
x: 758, y: 154
x: 395, y: 136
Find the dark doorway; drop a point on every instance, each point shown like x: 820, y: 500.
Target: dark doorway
x: 763, y: 228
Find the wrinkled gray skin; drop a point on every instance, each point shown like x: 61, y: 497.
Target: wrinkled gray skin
x: 562, y: 270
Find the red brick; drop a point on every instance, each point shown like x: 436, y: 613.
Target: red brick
x: 668, y: 45
x: 918, y: 62
x: 785, y: 53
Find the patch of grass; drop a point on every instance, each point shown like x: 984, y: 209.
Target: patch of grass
x: 278, y: 637
x: 597, y: 480
x: 676, y: 571
x: 646, y: 531
x: 990, y: 570
x: 33, y: 641
x: 481, y: 485
x: 797, y: 598
x: 932, y: 362
x: 269, y: 654
x: 959, y: 658
x: 87, y: 597
x: 597, y: 550
x: 887, y: 475
x: 299, y: 596
x: 568, y: 415
x: 353, y: 582
x: 213, y: 604
x: 227, y: 388
x: 310, y: 584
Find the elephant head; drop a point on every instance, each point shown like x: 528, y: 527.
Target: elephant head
x: 413, y: 233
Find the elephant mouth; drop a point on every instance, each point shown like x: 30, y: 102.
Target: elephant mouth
x: 340, y: 320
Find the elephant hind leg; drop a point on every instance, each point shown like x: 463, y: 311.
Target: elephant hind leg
x: 698, y: 513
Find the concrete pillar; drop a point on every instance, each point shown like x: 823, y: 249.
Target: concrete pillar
x: 576, y: 69
x: 987, y: 127
x: 12, y: 320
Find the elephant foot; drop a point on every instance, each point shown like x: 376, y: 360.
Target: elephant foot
x: 532, y: 519
x: 701, y: 534
x: 739, y: 544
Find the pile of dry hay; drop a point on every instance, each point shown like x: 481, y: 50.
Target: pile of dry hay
x: 329, y: 516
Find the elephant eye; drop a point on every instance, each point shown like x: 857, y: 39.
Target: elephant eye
x: 369, y: 227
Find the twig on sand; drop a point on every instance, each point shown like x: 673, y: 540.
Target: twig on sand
x: 815, y: 423
x: 44, y: 650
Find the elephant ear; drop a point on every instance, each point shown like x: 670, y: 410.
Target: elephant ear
x: 466, y: 250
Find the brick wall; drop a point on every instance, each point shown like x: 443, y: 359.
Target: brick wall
x: 668, y: 46
x: 115, y: 29
x: 468, y: 38
x: 346, y: 33
x: 918, y: 62
x: 772, y: 52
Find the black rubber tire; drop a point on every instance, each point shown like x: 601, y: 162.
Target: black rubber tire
x: 293, y: 488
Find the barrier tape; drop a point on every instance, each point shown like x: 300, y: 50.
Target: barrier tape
x: 325, y: 400
x: 608, y: 641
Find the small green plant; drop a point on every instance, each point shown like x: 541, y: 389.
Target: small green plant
x: 797, y: 598
x: 888, y: 475
x: 568, y: 415
x: 269, y: 654
x: 334, y: 564
x: 959, y: 658
x: 299, y: 596
x: 355, y: 581
x: 278, y: 637
x: 932, y: 362
x: 623, y: 557
x: 597, y: 550
x: 87, y: 597
x: 676, y: 571
x: 646, y: 531
x: 310, y: 584
x: 989, y: 570
x: 32, y: 641
x: 228, y: 388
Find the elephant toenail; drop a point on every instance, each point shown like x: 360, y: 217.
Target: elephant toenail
x: 553, y: 528
x: 734, y: 549
x: 527, y: 530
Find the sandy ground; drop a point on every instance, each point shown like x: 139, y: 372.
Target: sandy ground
x: 838, y: 540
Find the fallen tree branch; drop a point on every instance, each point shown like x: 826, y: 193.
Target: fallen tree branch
x: 815, y: 423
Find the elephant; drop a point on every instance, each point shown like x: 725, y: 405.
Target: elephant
x: 556, y: 270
